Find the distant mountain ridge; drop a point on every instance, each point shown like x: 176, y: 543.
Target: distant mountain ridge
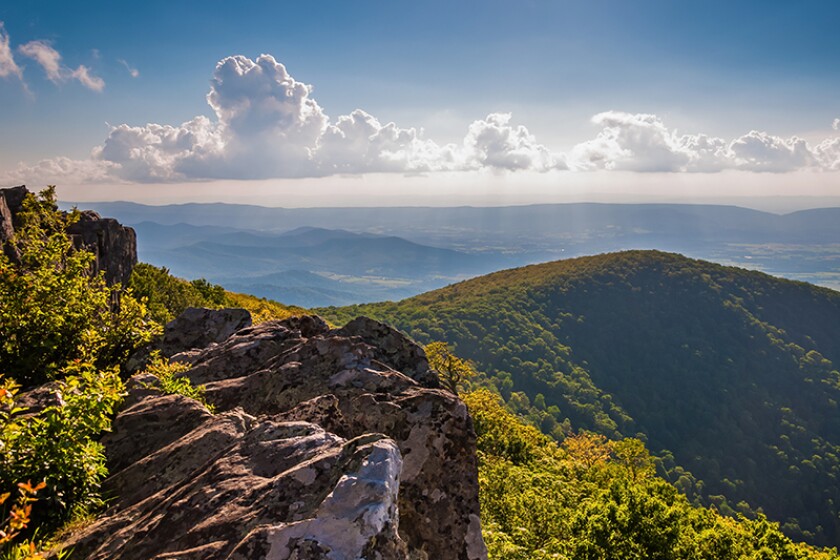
x: 733, y: 371
x: 339, y: 266
x: 510, y: 219
x: 802, y: 245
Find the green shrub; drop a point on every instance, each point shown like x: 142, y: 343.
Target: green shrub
x: 454, y: 371
x: 53, y: 310
x: 56, y: 445
x: 170, y: 383
x: 167, y: 296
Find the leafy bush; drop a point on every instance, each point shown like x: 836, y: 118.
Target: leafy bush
x: 15, y: 515
x: 500, y: 433
x: 453, y: 371
x: 263, y: 309
x: 52, y: 309
x: 16, y: 520
x: 167, y: 296
x: 56, y: 445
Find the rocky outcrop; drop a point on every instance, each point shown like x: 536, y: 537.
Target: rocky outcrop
x: 326, y: 444
x: 194, y: 329
x: 197, y: 328
x: 113, y: 245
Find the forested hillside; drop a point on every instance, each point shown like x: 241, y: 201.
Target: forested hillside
x: 594, y: 498
x: 731, y: 371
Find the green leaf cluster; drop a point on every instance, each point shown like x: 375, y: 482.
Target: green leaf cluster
x: 169, y: 382
x: 58, y: 444
x: 453, y: 371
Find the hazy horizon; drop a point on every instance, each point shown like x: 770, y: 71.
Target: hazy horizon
x: 778, y: 204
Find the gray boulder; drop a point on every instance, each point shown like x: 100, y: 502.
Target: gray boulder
x: 198, y: 327
x: 190, y: 332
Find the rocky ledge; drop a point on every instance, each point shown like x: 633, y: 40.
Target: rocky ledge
x: 113, y: 245
x: 325, y: 444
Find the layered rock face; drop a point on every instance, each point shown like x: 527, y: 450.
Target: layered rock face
x: 114, y: 245
x: 326, y: 444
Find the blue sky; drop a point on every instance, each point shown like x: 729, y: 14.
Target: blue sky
x: 539, y: 97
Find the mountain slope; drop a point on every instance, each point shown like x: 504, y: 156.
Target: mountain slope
x: 734, y: 372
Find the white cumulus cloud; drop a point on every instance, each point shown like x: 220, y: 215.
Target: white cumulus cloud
x: 359, y: 143
x: 8, y: 66
x: 269, y: 122
x: 707, y: 154
x: 836, y: 124
x: 268, y: 125
x: 494, y: 142
x: 759, y: 151
x: 828, y: 153
x: 161, y: 153
x: 50, y: 60
x: 633, y: 142
x: 642, y: 142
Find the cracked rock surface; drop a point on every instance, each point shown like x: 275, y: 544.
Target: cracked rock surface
x: 326, y: 444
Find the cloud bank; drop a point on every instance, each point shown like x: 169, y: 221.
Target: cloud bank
x: 266, y: 124
x: 643, y: 143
